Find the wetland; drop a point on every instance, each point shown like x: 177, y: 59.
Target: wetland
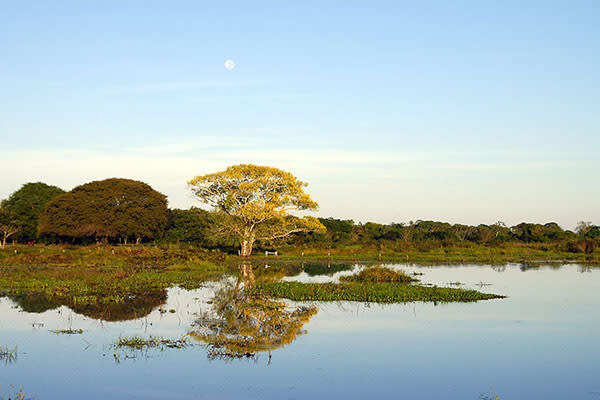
x: 275, y: 330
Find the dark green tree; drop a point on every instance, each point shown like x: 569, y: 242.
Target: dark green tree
x: 593, y: 232
x: 112, y: 209
x: 27, y: 204
x: 189, y: 226
x: 337, y: 230
x: 526, y: 232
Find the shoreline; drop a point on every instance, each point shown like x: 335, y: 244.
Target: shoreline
x: 186, y: 255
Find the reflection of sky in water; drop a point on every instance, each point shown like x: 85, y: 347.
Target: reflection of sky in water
x: 541, y: 342
x: 332, y: 277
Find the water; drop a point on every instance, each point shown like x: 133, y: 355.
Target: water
x: 539, y: 343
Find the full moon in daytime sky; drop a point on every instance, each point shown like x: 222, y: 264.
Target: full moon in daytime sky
x: 229, y: 64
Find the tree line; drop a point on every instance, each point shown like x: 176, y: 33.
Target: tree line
x: 127, y: 211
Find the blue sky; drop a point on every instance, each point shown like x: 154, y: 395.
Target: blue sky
x: 459, y: 111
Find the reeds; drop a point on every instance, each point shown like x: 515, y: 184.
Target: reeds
x: 68, y: 331
x: 8, y: 355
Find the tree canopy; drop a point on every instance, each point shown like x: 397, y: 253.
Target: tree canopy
x: 189, y: 226
x: 254, y: 203
x: 27, y: 204
x: 114, y: 208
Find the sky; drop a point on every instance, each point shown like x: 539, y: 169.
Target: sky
x: 460, y: 111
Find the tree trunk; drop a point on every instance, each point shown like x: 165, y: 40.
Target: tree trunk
x: 3, y: 241
x: 246, y: 250
x: 247, y: 243
x: 138, y: 240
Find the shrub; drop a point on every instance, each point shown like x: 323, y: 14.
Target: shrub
x: 379, y: 274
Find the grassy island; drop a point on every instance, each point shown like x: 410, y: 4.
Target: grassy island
x: 368, y: 292
x: 375, y: 284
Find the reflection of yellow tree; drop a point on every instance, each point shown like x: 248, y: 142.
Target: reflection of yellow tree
x: 243, y: 325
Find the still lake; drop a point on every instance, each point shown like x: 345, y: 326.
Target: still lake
x: 541, y: 342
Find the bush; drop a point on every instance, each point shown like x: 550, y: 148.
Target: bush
x: 379, y: 274
x: 573, y: 247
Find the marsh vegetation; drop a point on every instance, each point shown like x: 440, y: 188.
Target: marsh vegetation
x: 152, y: 342
x: 8, y: 355
x: 376, y: 292
x: 233, y: 318
x: 110, y: 293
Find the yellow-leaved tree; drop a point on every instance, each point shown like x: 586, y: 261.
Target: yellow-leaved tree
x: 253, y: 203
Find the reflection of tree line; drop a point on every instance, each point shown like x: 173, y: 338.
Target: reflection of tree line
x: 135, y: 306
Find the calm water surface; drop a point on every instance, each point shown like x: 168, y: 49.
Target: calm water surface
x: 542, y: 342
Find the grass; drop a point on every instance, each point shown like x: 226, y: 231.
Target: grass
x: 68, y: 331
x: 189, y: 256
x: 124, y: 282
x: 108, y: 256
x: 139, y: 343
x: 379, y: 292
x: 112, y: 285
x: 372, y: 284
x: 18, y: 395
x: 8, y: 355
x: 506, y: 253
x: 185, y: 256
x: 492, y: 396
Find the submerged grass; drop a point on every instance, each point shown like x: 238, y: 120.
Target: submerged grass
x: 8, y: 355
x: 139, y: 343
x: 14, y: 395
x: 68, y: 331
x: 86, y: 285
x: 104, y: 275
x: 379, y: 292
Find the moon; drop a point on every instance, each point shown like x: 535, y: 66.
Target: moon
x: 229, y: 64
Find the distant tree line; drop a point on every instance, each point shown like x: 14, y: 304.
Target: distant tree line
x: 127, y: 211
x: 426, y: 235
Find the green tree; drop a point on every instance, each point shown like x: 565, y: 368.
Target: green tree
x: 8, y: 224
x: 189, y: 226
x: 593, y: 232
x: 27, y: 204
x: 253, y: 203
x: 338, y: 230
x: 117, y: 209
x: 527, y: 232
